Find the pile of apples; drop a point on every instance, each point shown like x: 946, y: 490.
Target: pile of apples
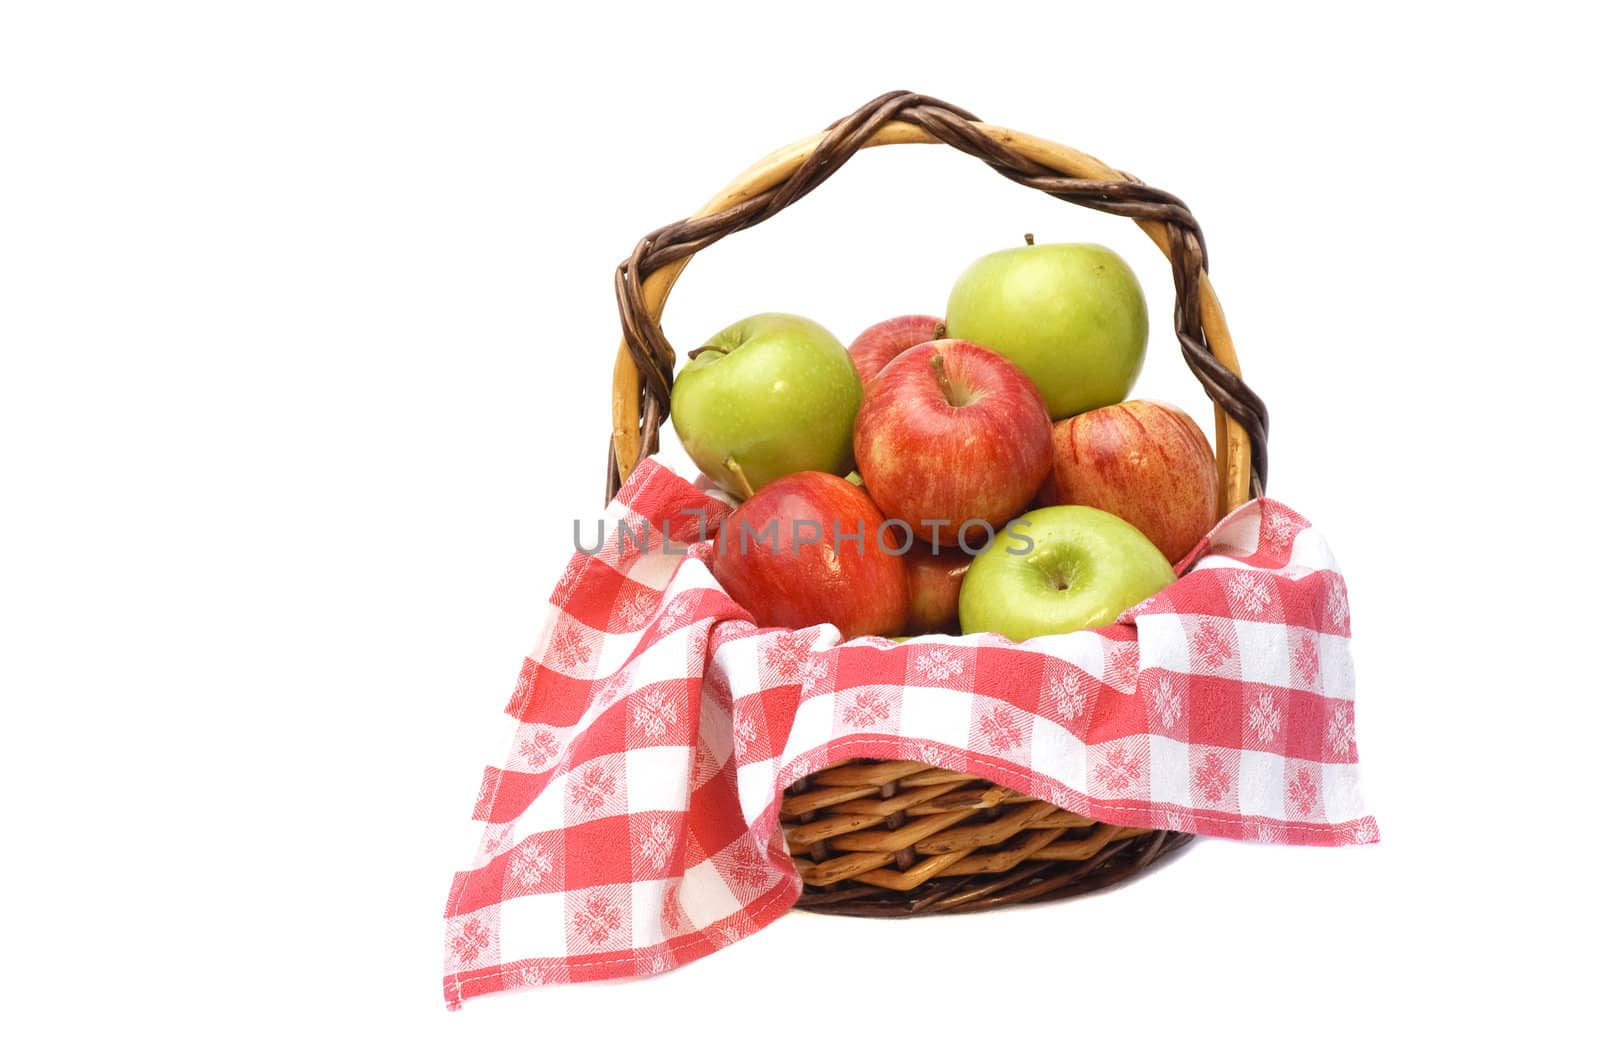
x: 979, y: 473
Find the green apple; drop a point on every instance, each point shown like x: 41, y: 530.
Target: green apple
x: 1060, y: 569
x: 1071, y: 316
x: 771, y: 395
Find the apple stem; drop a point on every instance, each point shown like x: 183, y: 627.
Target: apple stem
x: 939, y: 331
x: 1027, y: 238
x: 708, y: 347
x: 732, y: 467
x: 946, y: 385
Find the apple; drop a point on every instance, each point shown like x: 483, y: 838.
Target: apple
x: 933, y: 580
x: 767, y: 396
x: 1060, y: 569
x: 1146, y: 462
x: 1072, y: 316
x: 951, y: 434
x: 811, y: 548
x: 877, y: 346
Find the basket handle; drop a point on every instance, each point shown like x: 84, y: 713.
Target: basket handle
x: 642, y: 379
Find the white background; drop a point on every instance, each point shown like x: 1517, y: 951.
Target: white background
x: 307, y: 328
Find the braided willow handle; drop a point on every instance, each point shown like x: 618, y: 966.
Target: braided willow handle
x: 642, y: 380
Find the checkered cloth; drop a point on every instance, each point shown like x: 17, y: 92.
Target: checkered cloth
x: 634, y: 825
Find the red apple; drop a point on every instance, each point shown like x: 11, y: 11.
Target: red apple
x: 1146, y: 462
x: 878, y: 346
x: 811, y: 548
x: 951, y: 434
x: 934, y: 580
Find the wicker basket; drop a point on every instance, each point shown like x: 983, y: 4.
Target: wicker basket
x: 902, y: 838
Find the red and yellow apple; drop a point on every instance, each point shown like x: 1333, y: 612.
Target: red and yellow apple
x: 952, y: 434
x: 880, y: 344
x: 811, y: 548
x: 1146, y: 462
x: 934, y: 582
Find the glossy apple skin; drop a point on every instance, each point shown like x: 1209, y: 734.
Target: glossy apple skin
x: 1082, y: 569
x: 879, y: 345
x: 975, y: 447
x: 1072, y: 316
x: 1146, y: 462
x: 783, y: 399
x: 860, y: 590
x: 934, y: 584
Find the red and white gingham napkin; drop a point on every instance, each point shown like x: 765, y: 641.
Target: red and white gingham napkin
x: 634, y: 825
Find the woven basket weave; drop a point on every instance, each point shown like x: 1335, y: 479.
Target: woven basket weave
x: 899, y: 838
